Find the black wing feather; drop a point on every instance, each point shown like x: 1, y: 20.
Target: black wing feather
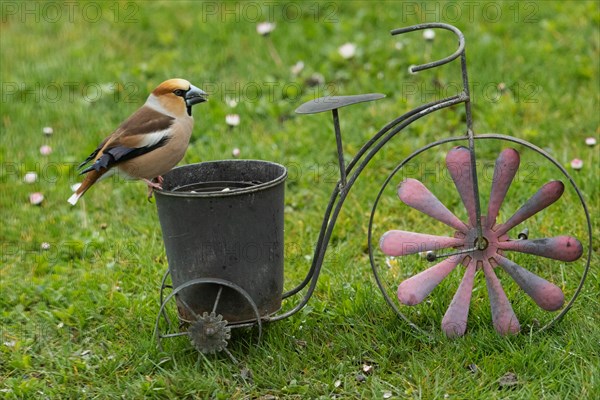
x: 94, y: 153
x: 119, y: 154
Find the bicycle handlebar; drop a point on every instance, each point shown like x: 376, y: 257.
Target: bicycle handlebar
x: 457, y: 32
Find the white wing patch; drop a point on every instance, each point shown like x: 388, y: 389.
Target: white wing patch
x: 150, y: 139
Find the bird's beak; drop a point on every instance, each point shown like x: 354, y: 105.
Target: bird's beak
x: 194, y: 96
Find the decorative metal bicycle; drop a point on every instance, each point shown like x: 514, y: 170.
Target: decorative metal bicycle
x: 477, y: 242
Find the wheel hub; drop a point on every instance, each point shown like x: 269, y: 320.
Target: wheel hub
x: 209, y: 333
x: 487, y: 246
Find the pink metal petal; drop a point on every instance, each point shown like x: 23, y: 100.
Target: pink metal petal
x: 454, y: 322
x: 504, y: 318
x: 505, y: 169
x: 544, y: 197
x: 414, y: 194
x: 414, y: 289
x: 563, y: 248
x: 401, y: 243
x: 458, y: 162
x: 545, y: 294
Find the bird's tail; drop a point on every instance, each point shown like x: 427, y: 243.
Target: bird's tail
x: 90, y: 178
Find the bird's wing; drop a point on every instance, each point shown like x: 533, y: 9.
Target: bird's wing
x: 94, y: 153
x: 146, y: 130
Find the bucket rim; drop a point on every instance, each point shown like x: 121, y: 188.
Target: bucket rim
x: 233, y: 192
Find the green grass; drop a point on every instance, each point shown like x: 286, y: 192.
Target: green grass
x: 76, y: 320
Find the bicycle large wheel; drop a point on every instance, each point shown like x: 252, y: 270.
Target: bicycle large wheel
x: 530, y: 236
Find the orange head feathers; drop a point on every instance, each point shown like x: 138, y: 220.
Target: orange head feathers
x: 177, y: 95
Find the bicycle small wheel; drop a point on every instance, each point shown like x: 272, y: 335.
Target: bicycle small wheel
x: 208, y: 331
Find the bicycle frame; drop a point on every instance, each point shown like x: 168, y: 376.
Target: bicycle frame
x: 349, y: 174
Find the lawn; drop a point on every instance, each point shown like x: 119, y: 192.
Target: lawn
x: 80, y: 285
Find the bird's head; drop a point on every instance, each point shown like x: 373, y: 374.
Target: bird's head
x: 176, y: 96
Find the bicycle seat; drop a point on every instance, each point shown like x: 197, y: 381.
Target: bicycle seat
x: 328, y: 103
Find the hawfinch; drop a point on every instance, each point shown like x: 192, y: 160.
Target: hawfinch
x: 150, y: 142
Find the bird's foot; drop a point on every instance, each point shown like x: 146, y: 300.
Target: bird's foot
x: 153, y: 185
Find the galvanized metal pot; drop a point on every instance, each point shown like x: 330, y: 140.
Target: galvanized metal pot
x: 224, y: 220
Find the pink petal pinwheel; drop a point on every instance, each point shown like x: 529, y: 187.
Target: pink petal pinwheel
x: 464, y: 246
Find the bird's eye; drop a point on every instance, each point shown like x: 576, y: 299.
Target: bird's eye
x: 179, y: 92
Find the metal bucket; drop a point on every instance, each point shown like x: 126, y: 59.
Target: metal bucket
x: 224, y: 220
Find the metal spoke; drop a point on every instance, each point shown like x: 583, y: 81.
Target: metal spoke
x: 454, y: 322
x: 563, y: 248
x: 416, y: 288
x: 401, y: 243
x: 214, y: 309
x: 187, y: 306
x: 414, y: 194
x: 507, y: 165
x: 545, y: 294
x: 177, y: 334
x: 503, y: 317
x: 543, y: 198
x: 431, y: 256
x: 458, y: 163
